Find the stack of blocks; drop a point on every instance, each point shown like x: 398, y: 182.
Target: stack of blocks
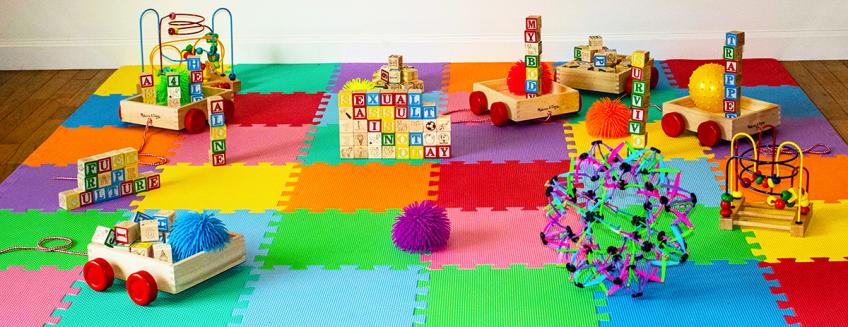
x: 174, y: 92
x: 397, y: 76
x: 195, y: 74
x: 217, y: 131
x: 148, y: 91
x: 640, y: 99
x: 733, y: 44
x: 143, y: 235
x: 107, y: 176
x: 601, y: 58
x: 391, y: 124
x: 533, y: 54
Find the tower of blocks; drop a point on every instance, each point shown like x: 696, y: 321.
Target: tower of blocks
x: 397, y: 76
x: 734, y: 41
x: 596, y: 55
x: 640, y: 99
x: 195, y: 73
x: 217, y: 131
x: 533, y: 54
x: 391, y: 124
x: 107, y: 176
x: 148, y: 91
x: 174, y: 92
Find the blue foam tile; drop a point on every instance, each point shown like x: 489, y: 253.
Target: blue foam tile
x: 97, y: 111
x: 344, y: 297
x: 700, y: 295
x: 663, y: 82
x: 698, y: 177
x: 793, y: 101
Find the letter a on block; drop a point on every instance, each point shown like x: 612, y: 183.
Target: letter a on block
x: 146, y: 80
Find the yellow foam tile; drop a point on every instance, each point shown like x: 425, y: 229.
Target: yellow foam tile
x: 825, y: 237
x: 123, y: 81
x: 684, y: 147
x: 226, y: 188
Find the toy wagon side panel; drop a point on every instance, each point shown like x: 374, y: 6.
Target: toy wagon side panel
x: 135, y: 111
x: 562, y: 100
x: 582, y: 79
x: 202, y: 266
x: 125, y: 263
x: 754, y: 113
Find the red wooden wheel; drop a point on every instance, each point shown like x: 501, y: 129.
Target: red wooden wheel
x: 709, y: 133
x: 98, y: 274
x: 478, y: 102
x: 500, y: 114
x: 120, y: 116
x: 195, y: 121
x: 229, y: 110
x: 673, y: 124
x: 141, y: 286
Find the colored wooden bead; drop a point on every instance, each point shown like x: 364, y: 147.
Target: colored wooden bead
x: 779, y: 203
x: 726, y: 197
x: 725, y: 213
x: 725, y: 205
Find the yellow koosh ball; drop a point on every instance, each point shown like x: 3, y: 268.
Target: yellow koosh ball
x: 706, y: 87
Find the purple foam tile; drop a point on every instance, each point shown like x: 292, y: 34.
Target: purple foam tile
x: 36, y: 188
x: 523, y: 142
x: 806, y: 132
x: 430, y: 73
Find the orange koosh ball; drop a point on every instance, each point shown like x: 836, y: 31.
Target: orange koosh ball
x: 706, y: 87
x: 607, y: 119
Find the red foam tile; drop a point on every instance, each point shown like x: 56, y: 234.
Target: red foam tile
x: 755, y: 72
x: 816, y: 291
x: 274, y: 109
x: 249, y: 145
x: 495, y: 185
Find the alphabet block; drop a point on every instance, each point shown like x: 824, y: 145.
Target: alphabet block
x: 103, y: 235
x: 531, y: 61
x: 218, y: 133
x: 144, y: 249
x: 638, y: 114
x: 149, y: 230
x: 635, y: 127
x: 600, y: 60
x: 145, y: 80
x: 533, y: 49
x: 639, y: 140
x: 533, y: 23
x: 70, y: 199
x: 219, y: 159
x: 127, y: 232
x: 163, y: 252
x: 734, y: 38
x: 640, y: 58
x: 531, y: 86
x: 532, y: 74
x: 531, y: 36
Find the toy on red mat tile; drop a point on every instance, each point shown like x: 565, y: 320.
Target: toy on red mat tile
x: 528, y: 92
x: 632, y: 218
x: 598, y: 68
x: 715, y: 107
x: 422, y: 227
x: 198, y: 247
x: 786, y: 206
x: 107, y: 176
x: 176, y: 103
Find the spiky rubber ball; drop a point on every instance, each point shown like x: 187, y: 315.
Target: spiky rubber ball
x: 422, y: 227
x: 194, y: 232
x: 607, y: 119
x: 518, y: 75
x: 706, y: 87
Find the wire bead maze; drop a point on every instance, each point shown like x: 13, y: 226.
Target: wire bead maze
x: 191, y: 30
x: 618, y: 218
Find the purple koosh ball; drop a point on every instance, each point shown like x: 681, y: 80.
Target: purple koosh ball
x: 423, y: 227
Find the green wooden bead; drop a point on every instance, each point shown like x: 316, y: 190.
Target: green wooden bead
x: 727, y: 197
x: 786, y: 195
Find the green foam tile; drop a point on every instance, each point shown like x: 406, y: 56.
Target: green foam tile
x: 285, y: 78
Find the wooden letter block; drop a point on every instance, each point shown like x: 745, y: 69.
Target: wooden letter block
x: 126, y: 232
x: 149, y: 230
x: 216, y: 120
x: 638, y: 114
x: 144, y: 249
x: 163, y: 252
x: 431, y: 152
x: 104, y: 179
x: 86, y: 198
x: 215, y: 105
x: 578, y: 53
x: 145, y: 80
x: 130, y: 156
x: 375, y: 152
x: 372, y: 98
x: 444, y: 151
x: 219, y: 159
x: 130, y: 172
x: 387, y: 99
x: 533, y: 49
x: 600, y: 60
x: 153, y: 180
x: 193, y: 63
x: 103, y: 235
x: 730, y: 79
x: 731, y: 66
x: 731, y: 115
x: 104, y: 165
x: 731, y: 93
x: 219, y: 146
x: 731, y: 105
x: 387, y: 125
x: 636, y: 74
x: 639, y: 140
x: 196, y: 76
x: 396, y: 61
x: 401, y: 152
x: 173, y: 79
x: 388, y: 152
x: 358, y: 100
x: 531, y: 61
x: 148, y: 95
x: 118, y: 176
x: 174, y: 102
x: 531, y: 36
x: 596, y: 41
x: 533, y: 23
x: 531, y: 86
x: 218, y: 133
x: 636, y: 127
x: 401, y: 99
x: 532, y: 74
x: 388, y: 139
x: 416, y: 152
x: 640, y: 58
x: 639, y: 87
x: 126, y: 188
x: 733, y: 53
x: 734, y: 38
x: 70, y: 199
x: 401, y: 112
x: 637, y: 101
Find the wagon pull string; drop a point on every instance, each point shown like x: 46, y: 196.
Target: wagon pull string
x: 818, y: 148
x: 466, y: 120
x: 63, y: 248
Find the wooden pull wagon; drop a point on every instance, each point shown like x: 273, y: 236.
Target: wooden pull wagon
x: 191, y: 117
x: 508, y: 107
x: 681, y: 114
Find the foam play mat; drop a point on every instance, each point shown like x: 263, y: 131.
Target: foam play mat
x: 318, y: 229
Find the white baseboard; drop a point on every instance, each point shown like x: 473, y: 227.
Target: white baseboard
x: 111, y: 53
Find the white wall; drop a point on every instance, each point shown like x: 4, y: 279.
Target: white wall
x: 101, y: 34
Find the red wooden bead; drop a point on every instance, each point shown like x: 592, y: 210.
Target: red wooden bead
x: 725, y: 213
x: 725, y: 205
x: 779, y: 203
x: 805, y: 210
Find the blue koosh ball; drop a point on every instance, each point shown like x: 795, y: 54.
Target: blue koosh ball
x: 195, y: 232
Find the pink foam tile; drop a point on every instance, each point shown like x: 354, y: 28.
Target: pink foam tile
x: 458, y: 109
x: 497, y: 238
x: 29, y: 297
x: 246, y: 144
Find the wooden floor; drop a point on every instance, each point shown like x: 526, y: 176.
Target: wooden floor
x: 34, y: 103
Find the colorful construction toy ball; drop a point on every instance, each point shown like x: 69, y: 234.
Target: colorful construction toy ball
x: 197, y: 232
x: 607, y: 119
x: 618, y: 218
x: 423, y: 227
x: 706, y: 87
x: 518, y: 75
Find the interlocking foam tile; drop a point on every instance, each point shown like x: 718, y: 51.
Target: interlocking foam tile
x: 519, y: 296
x: 275, y: 109
x: 333, y: 239
x: 462, y: 75
x: 249, y: 145
x: 35, y: 188
x: 67, y: 145
x: 806, y: 132
x: 331, y: 113
x: 495, y: 185
x: 26, y: 229
x: 757, y: 71
x: 380, y: 297
x: 496, y: 238
x: 793, y: 101
x: 210, y: 303
x: 814, y: 290
x: 825, y: 237
x: 348, y: 187
x: 433, y: 74
x: 226, y: 188
x: 684, y: 147
x: 30, y: 296
x: 286, y: 78
x: 522, y: 142
x: 708, y: 243
x: 322, y: 146
x: 123, y: 82
x: 698, y: 176
x: 97, y: 111
x: 699, y: 295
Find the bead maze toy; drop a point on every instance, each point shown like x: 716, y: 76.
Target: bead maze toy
x: 789, y: 209
x: 640, y: 99
x: 618, y: 218
x: 107, y: 176
x: 397, y: 76
x: 733, y: 113
x: 598, y: 68
x: 534, y: 101
x: 176, y: 103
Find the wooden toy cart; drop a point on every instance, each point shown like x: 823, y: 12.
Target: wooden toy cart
x: 681, y: 114
x: 506, y: 106
x: 146, y: 276
x: 584, y: 76
x: 191, y: 117
x: 760, y: 215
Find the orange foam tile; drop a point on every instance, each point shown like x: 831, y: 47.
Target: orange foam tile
x: 464, y: 74
x: 66, y: 145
